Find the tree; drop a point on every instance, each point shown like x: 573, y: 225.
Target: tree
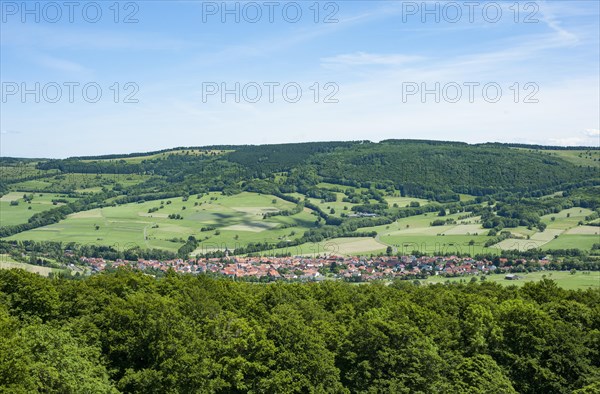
x: 480, y: 375
x: 44, y: 357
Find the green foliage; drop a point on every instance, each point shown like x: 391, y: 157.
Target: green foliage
x: 128, y: 332
x: 43, y: 358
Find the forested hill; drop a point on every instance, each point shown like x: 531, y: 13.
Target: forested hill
x: 418, y: 167
x: 429, y: 169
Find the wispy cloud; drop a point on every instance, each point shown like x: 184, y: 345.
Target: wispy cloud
x: 79, y: 38
x: 62, y: 65
x: 369, y: 59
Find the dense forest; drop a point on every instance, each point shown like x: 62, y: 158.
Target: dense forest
x: 129, y: 332
x: 429, y: 169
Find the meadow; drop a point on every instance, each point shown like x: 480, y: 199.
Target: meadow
x: 415, y: 233
x: 164, y: 155
x: 80, y: 183
x: 580, y: 157
x: 349, y: 246
x: 7, y: 262
x: 232, y: 221
x: 580, y: 280
x: 17, y: 214
x: 227, y: 221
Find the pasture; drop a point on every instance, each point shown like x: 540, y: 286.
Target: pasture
x: 217, y: 221
x: 164, y: 155
x: 580, y: 280
x: 353, y: 246
x: 468, y: 236
x: 80, y: 183
x: 18, y: 214
x: 339, y: 207
x: 7, y: 262
x: 415, y: 233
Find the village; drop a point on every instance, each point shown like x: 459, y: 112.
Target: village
x: 354, y: 269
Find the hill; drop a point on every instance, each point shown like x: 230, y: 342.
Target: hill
x: 322, y: 191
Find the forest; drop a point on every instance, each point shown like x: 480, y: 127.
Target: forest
x: 128, y: 332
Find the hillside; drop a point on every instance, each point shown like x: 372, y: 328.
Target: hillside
x: 248, y: 199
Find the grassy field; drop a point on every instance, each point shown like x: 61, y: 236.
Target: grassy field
x: 415, y: 233
x: 17, y: 214
x: 579, y: 157
x: 6, y: 262
x: 338, y: 206
x: 562, y: 232
x: 237, y: 220
x: 404, y: 201
x: 22, y: 171
x: 566, y: 219
x: 580, y: 280
x: 337, y: 246
x: 80, y: 183
x: 164, y: 155
x: 468, y: 236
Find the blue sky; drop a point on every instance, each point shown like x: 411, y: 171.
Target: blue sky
x: 368, y: 59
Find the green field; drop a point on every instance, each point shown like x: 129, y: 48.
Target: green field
x: 17, y: 214
x: 164, y: 155
x: 237, y: 220
x: 416, y: 234
x: 7, y: 262
x: 580, y: 280
x: 579, y: 157
x: 338, y: 206
x: 80, y: 183
x: 468, y: 236
x: 22, y: 170
x: 404, y: 201
x: 354, y: 246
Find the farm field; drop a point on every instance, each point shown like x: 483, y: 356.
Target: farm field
x: 338, y: 206
x: 353, y: 246
x: 571, y: 241
x: 391, y: 200
x: 564, y: 232
x: 326, y: 185
x: 17, y: 214
x: 6, y: 262
x: 404, y: 201
x: 415, y: 233
x: 566, y: 218
x: 233, y: 220
x: 580, y: 280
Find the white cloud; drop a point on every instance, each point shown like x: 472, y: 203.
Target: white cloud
x: 592, y: 132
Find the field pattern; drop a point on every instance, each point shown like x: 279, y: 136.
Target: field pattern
x: 227, y: 221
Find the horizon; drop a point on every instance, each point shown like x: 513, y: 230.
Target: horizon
x: 107, y: 156
x: 141, y: 75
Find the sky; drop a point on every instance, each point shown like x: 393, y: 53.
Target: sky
x: 87, y: 78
